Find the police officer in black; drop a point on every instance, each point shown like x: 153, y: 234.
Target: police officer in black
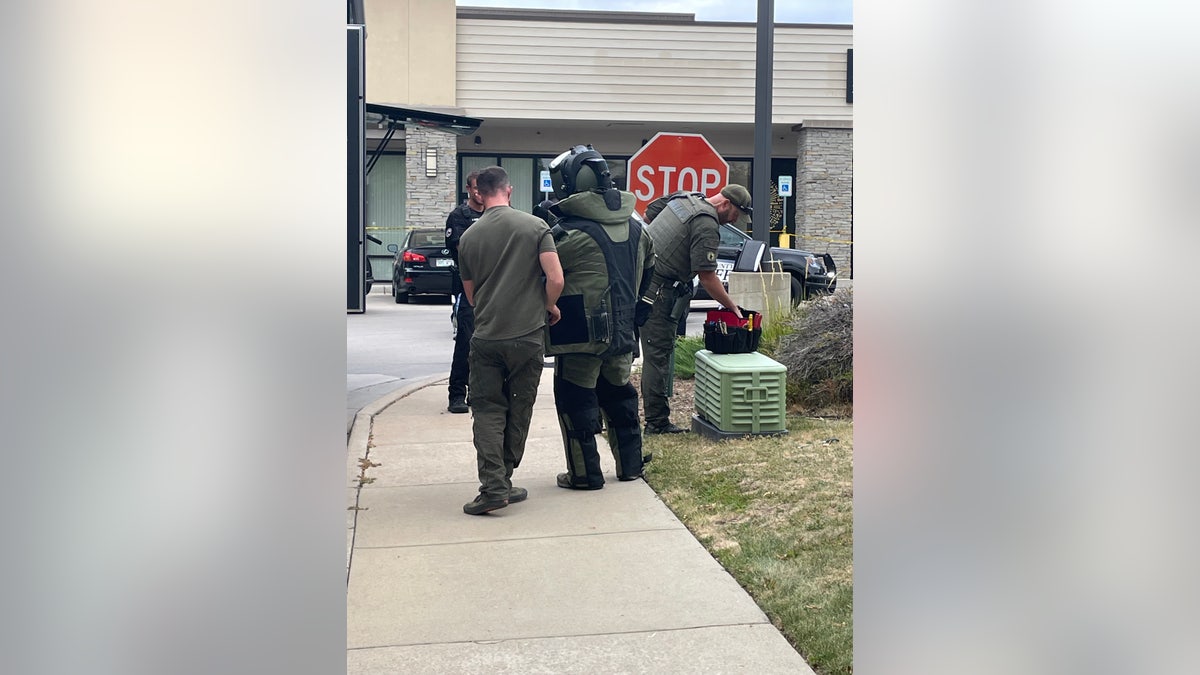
x: 607, y: 260
x: 457, y: 222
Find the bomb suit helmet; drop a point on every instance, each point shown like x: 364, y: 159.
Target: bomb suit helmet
x: 580, y: 169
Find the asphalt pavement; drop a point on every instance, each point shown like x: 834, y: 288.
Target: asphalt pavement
x: 605, y: 581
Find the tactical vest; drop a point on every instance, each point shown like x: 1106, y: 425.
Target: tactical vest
x: 669, y: 217
x: 597, y: 303
x: 456, y: 226
x: 454, y: 230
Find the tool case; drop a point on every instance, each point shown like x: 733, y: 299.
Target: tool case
x: 725, y: 333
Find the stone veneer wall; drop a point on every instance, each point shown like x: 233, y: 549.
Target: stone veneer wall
x: 429, y: 200
x: 824, y: 191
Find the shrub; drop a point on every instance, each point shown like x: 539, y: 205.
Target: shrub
x: 819, y: 352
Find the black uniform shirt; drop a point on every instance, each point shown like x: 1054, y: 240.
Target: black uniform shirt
x: 456, y: 223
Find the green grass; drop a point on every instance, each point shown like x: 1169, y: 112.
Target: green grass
x: 774, y: 331
x: 720, y: 489
x: 776, y: 511
x: 685, y: 355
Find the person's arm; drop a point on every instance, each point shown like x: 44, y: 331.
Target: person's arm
x: 716, y: 290
x: 705, y: 245
x: 552, y: 267
x: 647, y: 266
x: 454, y: 230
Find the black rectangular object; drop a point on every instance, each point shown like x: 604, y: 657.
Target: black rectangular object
x: 572, y: 326
x: 356, y: 296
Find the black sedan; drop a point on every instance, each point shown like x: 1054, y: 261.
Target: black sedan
x: 811, y: 273
x: 422, y: 265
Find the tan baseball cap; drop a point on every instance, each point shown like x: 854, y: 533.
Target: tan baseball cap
x: 740, y: 197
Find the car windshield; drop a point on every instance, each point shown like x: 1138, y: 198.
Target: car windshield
x: 430, y: 238
x: 731, y: 236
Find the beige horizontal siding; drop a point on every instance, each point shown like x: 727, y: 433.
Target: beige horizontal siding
x: 642, y: 72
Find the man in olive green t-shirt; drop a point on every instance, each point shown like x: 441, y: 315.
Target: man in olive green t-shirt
x: 502, y: 259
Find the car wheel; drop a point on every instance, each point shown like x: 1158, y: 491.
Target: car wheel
x: 401, y: 297
x: 797, y: 291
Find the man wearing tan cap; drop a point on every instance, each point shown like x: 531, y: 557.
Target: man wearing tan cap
x: 684, y: 227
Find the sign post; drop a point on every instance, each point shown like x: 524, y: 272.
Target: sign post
x: 672, y: 162
x: 547, y: 186
x: 785, y: 191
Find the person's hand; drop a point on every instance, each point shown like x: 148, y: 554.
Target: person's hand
x: 554, y: 315
x: 641, y: 313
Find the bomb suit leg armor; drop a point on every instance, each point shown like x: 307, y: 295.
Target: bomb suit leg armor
x: 579, y: 417
x: 618, y: 400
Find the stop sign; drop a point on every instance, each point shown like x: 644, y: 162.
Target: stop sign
x: 672, y: 162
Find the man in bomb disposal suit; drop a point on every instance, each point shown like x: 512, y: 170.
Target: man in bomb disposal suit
x: 456, y: 224
x: 607, y: 260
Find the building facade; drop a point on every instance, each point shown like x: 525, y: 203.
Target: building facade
x: 544, y: 80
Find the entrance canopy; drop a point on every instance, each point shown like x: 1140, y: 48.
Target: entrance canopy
x: 393, y: 116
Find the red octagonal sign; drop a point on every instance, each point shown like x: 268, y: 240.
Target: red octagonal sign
x: 672, y: 162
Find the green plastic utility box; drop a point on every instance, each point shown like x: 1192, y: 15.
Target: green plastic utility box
x: 739, y: 395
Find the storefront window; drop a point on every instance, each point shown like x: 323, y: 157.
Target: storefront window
x: 617, y: 168
x: 739, y: 173
x: 521, y: 177
x: 522, y: 174
x: 385, y: 204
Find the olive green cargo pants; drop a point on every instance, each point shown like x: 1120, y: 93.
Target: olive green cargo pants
x: 658, y: 343
x: 503, y: 383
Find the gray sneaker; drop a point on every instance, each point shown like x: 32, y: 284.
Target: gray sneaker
x: 517, y: 494
x: 482, y: 505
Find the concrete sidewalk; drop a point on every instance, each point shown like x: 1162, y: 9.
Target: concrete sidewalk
x: 606, y: 581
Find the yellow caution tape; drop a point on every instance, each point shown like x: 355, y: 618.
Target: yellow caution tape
x: 806, y: 237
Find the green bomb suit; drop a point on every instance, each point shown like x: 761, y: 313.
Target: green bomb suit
x: 606, y: 260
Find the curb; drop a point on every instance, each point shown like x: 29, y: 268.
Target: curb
x: 359, y: 439
x: 360, y: 430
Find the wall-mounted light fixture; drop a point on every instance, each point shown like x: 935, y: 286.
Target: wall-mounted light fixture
x: 430, y: 162
x: 478, y: 140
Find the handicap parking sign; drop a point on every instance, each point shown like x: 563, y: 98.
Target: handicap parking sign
x: 785, y: 186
